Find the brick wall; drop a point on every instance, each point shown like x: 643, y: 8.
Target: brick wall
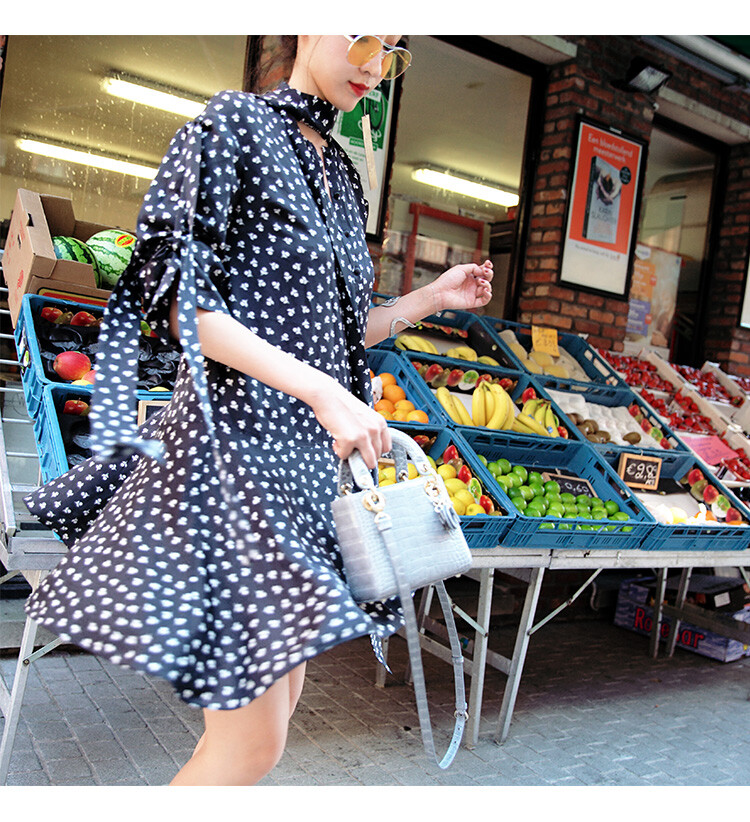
x: 583, y: 86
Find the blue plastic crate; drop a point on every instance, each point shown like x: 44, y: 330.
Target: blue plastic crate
x: 521, y: 381
x: 678, y: 453
x: 480, y: 530
x: 451, y: 329
x: 33, y: 375
x: 594, y: 365
x: 696, y: 537
x: 381, y: 360
x: 48, y: 426
x: 576, y: 459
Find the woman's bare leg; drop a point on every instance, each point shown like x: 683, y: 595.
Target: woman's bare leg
x: 239, y: 747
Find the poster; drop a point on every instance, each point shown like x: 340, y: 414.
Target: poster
x: 602, y: 209
x: 379, y: 104
x: 653, y: 296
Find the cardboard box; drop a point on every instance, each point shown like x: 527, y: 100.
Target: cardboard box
x: 635, y: 613
x: 29, y: 262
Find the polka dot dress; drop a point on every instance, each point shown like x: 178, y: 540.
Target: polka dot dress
x: 202, y: 548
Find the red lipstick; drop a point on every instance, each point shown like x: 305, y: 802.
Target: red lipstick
x: 359, y: 88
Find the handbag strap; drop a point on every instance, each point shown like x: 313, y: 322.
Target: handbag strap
x: 384, y: 524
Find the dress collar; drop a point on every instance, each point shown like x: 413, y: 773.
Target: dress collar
x: 317, y: 113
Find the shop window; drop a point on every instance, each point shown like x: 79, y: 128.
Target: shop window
x: 465, y: 114
x: 54, y: 95
x: 668, y: 274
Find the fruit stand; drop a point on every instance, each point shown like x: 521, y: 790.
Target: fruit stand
x: 578, y: 466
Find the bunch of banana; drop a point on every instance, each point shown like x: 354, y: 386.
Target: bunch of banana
x: 413, y: 342
x: 492, y: 406
x: 455, y: 409
x: 462, y: 352
x: 540, y: 411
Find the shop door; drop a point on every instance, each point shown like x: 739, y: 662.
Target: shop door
x: 673, y: 245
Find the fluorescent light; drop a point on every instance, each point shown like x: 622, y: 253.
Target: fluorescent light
x: 460, y: 185
x: 72, y: 155
x: 163, y: 100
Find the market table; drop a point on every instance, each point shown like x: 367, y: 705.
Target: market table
x: 529, y: 565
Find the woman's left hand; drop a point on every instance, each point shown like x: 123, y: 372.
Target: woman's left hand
x: 464, y: 287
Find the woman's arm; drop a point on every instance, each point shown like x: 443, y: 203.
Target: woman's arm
x: 462, y: 287
x: 351, y: 422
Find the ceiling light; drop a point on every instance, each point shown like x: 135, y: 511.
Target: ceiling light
x: 156, y: 98
x: 645, y: 76
x: 462, y: 185
x: 86, y: 158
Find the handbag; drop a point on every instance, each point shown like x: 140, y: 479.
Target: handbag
x: 395, y: 539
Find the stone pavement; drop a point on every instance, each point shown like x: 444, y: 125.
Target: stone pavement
x: 593, y: 709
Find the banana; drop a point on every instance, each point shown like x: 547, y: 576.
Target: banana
x: 531, y: 423
x: 550, y: 422
x: 477, y: 405
x: 540, y: 413
x: 462, y: 352
x: 519, y: 427
x: 508, y: 421
x: 413, y: 342
x: 502, y: 398
x: 446, y: 400
x: 489, y: 402
x: 463, y: 414
x: 530, y: 406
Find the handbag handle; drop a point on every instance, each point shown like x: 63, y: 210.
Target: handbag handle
x: 354, y: 471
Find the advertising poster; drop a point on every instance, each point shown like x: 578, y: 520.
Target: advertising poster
x: 653, y: 296
x: 604, y: 196
x: 347, y: 131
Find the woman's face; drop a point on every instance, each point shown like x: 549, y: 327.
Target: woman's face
x: 322, y: 69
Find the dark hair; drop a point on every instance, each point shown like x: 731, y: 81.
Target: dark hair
x: 269, y: 59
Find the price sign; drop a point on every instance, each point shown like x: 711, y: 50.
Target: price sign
x: 640, y: 471
x: 544, y: 340
x: 570, y: 484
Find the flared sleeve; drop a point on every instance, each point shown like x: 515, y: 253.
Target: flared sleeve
x: 182, y: 229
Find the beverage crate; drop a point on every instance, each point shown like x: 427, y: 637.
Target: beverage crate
x: 572, y: 458
x: 691, y: 536
x: 608, y: 397
x: 596, y: 368
x: 381, y: 360
x: 62, y: 439
x: 480, y: 530
x: 157, y: 363
x: 453, y: 329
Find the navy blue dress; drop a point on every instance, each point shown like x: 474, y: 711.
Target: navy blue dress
x: 202, y: 548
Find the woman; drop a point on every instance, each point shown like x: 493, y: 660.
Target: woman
x: 214, y: 563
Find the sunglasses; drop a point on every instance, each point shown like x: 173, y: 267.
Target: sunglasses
x: 363, y: 47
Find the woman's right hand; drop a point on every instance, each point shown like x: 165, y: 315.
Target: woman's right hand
x: 353, y: 424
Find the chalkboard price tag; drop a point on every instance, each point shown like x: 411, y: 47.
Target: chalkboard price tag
x: 570, y: 484
x: 640, y: 471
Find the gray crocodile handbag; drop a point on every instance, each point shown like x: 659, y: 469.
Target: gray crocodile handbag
x: 396, y: 539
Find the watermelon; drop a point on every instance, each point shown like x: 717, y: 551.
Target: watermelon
x: 112, y: 249
x: 69, y: 248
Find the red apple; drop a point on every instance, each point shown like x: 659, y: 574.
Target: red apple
x: 506, y: 383
x: 694, y: 475
x: 464, y: 473
x: 84, y: 318
x: 89, y: 377
x: 528, y: 394
x: 432, y: 371
x: 484, y: 378
x: 487, y: 503
x: 562, y: 431
x: 50, y: 312
x: 455, y: 376
x: 450, y: 453
x: 646, y: 425
x: 733, y: 516
x: 76, y: 407
x: 71, y: 365
x: 710, y: 494
x: 422, y: 440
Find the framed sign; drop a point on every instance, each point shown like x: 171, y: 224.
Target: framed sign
x: 640, y: 471
x: 603, y: 203
x: 147, y: 408
x: 381, y: 104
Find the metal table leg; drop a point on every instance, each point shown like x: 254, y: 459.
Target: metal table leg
x: 674, y: 630
x: 519, y: 654
x: 661, y: 588
x: 479, y: 657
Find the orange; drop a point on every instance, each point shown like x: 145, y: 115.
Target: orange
x: 386, y: 414
x: 372, y: 374
x: 393, y: 393
x: 417, y: 416
x: 387, y: 379
x: 400, y: 414
x: 385, y: 405
x: 404, y: 405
